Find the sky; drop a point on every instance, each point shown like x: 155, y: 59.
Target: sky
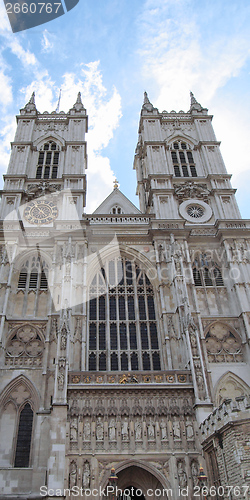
x: 112, y: 51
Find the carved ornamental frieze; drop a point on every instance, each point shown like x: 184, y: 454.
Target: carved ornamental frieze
x: 191, y: 190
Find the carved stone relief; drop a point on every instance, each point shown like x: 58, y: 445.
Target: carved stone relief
x: 25, y: 347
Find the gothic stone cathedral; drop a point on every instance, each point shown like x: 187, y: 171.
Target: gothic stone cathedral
x: 124, y: 333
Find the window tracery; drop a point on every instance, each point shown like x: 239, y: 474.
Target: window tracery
x: 122, y: 320
x: 24, y: 347
x: 223, y: 345
x: 48, y: 160
x: 182, y: 159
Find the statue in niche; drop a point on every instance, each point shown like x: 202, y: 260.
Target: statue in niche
x: 151, y: 429
x: 73, y: 430
x: 99, y: 429
x: 60, y: 380
x: 199, y: 379
x: 163, y: 427
x: 195, y: 473
x: 125, y: 428
x: 176, y: 429
x: 182, y: 476
x: 63, y: 338
x: 189, y: 429
x: 86, y: 430
x: 86, y: 476
x: 72, y: 475
x: 112, y: 430
x: 138, y: 430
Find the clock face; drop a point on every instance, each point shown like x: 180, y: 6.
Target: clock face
x: 40, y: 212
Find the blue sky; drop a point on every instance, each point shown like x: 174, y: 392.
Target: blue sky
x: 112, y: 51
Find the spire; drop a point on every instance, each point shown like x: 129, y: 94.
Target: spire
x: 32, y: 99
x: 195, y: 105
x: 146, y: 103
x: 30, y: 107
x: 78, y: 106
x: 146, y: 99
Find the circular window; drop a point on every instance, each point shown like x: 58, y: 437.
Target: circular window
x: 195, y: 211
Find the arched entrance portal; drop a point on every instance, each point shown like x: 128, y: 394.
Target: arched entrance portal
x: 141, y: 484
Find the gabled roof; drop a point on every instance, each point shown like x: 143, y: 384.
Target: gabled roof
x: 119, y: 199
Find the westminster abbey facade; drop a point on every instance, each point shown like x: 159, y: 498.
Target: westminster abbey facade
x: 125, y: 333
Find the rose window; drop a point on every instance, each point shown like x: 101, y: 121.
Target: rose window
x: 195, y: 211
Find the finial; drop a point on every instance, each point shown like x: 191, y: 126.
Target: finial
x: 116, y: 185
x: 30, y: 107
x: 146, y: 99
x: 32, y: 99
x: 147, y: 106
x: 195, y: 105
x: 78, y: 106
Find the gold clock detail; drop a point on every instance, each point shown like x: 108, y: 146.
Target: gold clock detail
x: 40, y: 212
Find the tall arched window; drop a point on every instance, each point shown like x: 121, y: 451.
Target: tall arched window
x: 122, y: 331
x: 183, y: 161
x: 48, y: 160
x: 22, y: 456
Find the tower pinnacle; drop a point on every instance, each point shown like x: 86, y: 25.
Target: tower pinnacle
x: 30, y: 107
x: 194, y: 105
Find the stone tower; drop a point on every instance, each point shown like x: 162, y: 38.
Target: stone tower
x: 124, y: 333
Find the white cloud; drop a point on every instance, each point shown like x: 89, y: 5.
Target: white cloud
x: 6, y: 89
x: 177, y: 57
x: 47, y: 44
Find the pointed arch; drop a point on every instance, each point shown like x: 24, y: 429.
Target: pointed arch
x: 230, y: 386
x: 19, y: 391
x: 122, y: 314
x: 19, y: 402
x: 139, y: 467
x: 49, y: 136
x: 176, y: 136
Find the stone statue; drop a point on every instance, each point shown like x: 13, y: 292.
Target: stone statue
x: 151, y: 429
x: 112, y: 430
x: 99, y: 429
x: 86, y: 476
x: 72, y: 475
x: 60, y: 380
x: 176, y: 429
x: 125, y: 428
x: 195, y: 473
x: 182, y: 476
x: 189, y: 428
x: 138, y: 430
x: 86, y: 431
x: 200, y: 381
x: 163, y: 429
x: 73, y: 430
